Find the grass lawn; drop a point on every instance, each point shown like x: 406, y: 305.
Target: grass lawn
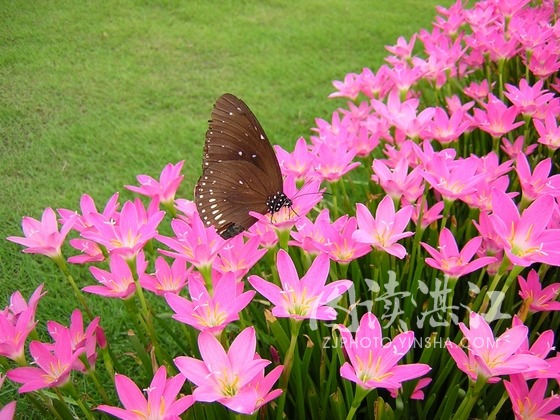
x: 94, y: 93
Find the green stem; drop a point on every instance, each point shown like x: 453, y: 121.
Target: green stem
x: 64, y: 268
x: 76, y: 397
x: 470, y: 399
x: 359, y: 395
x: 289, y: 358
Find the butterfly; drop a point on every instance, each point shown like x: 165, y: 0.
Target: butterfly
x: 240, y: 171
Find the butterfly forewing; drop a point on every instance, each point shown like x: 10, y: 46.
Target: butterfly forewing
x: 240, y: 172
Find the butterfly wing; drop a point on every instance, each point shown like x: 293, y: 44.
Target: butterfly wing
x: 239, y: 171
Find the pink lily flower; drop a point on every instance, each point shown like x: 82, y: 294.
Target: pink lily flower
x: 164, y: 190
x: 334, y: 162
x: 429, y: 215
x: 16, y: 323
x: 349, y: 88
x: 548, y: 130
x: 477, y: 91
x: 452, y: 178
x: 299, y: 163
x: 268, y: 237
x: 339, y: 245
x: 497, y: 118
x: 231, y: 377
x: 166, y: 279
x: 43, y: 237
x: 187, y: 207
x: 88, y: 207
x: 450, y: 261
x: 310, y: 236
x: 489, y: 357
x: 304, y: 298
x: 161, y: 401
x: 531, y: 404
x: 524, y: 237
x: 538, y: 299
x: 119, y: 281
x: 79, y: 338
x: 8, y: 411
x: 417, y: 393
x: 542, y: 346
x: 90, y: 251
x: 207, y: 311
x: 238, y: 256
x: 397, y: 181
x: 515, y: 148
x: 528, y: 98
x: 373, y: 361
x: 193, y: 242
x: 383, y: 231
x: 538, y: 182
x: 54, y: 366
x: 135, y: 227
x: 447, y: 129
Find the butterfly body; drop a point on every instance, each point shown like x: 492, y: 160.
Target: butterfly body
x: 240, y: 171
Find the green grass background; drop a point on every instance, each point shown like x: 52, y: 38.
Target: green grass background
x: 93, y: 93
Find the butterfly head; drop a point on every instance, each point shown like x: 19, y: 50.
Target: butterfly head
x: 276, y: 201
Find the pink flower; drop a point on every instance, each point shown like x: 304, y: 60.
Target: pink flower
x: 79, y: 338
x: 539, y: 299
x: 53, y: 366
x: 548, y: 130
x: 542, y: 346
x: 445, y: 128
x: 383, y: 231
x: 119, y: 282
x: 489, y: 357
x: 88, y: 207
x: 339, y: 244
x: 135, y: 227
x: 333, y: 163
x: 299, y: 163
x: 497, y: 118
x: 531, y: 404
x: 43, y: 237
x: 166, y: 279
x: 524, y: 237
x: 517, y: 147
x: 268, y: 237
x: 238, y: 256
x: 373, y: 359
x: 304, y: 298
x: 8, y: 411
x: 450, y: 261
x: 417, y: 393
x: 90, y: 251
x: 452, y: 178
x: 16, y: 322
x: 349, y: 88
x: 193, y: 242
x: 163, y: 191
x: 397, y: 181
x: 538, y: 182
x: 310, y: 236
x: 429, y: 215
x: 161, y: 402
x: 207, y: 311
x: 232, y: 378
x: 528, y: 98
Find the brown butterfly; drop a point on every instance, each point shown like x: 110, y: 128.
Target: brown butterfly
x: 240, y: 171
